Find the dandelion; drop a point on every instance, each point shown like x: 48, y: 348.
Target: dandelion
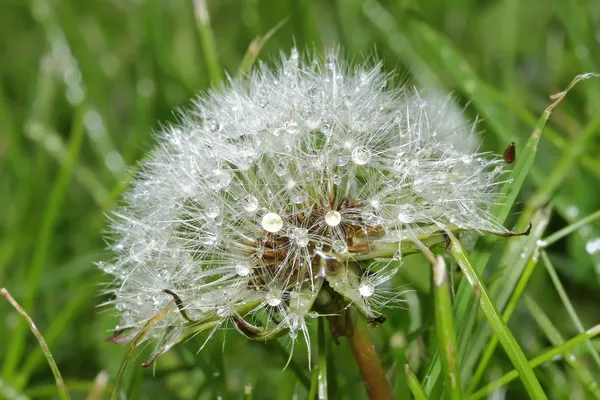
x: 292, y: 193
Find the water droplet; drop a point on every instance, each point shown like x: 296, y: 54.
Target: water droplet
x: 293, y: 334
x: 298, y: 196
x: 212, y: 211
x: 412, y: 168
x: 274, y: 298
x: 301, y: 237
x: 220, y: 179
x: 291, y: 126
x: 371, y: 219
x: 333, y: 218
x: 593, y: 246
x: 336, y: 179
x: 406, y: 213
x: 213, y: 125
x: 223, y: 311
x: 242, y: 269
x: 294, y: 54
x: 467, y: 159
x: 339, y: 246
x: 250, y: 203
x: 262, y: 102
x: 209, y: 238
x: 272, y: 222
x: 397, y: 255
x: 330, y: 61
x: 366, y: 289
x: 361, y: 155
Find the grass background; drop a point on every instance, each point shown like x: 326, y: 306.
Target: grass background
x: 83, y: 84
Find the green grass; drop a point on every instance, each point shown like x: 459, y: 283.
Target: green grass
x: 83, y: 86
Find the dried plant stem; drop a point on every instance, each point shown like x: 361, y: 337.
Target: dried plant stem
x: 60, y: 384
x: 366, y: 358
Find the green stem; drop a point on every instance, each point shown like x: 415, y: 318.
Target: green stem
x: 318, y: 388
x: 362, y: 346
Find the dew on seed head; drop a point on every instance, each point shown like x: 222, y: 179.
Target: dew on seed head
x: 220, y: 179
x: 212, y: 211
x: 339, y: 246
x: 272, y: 222
x: 274, y: 298
x: 213, y: 125
x: 242, y: 269
x: 250, y: 203
x: 366, y: 290
x: 406, y: 213
x: 333, y: 218
x: 361, y: 155
x: 301, y: 237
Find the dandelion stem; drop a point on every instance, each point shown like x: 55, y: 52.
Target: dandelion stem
x: 366, y: 358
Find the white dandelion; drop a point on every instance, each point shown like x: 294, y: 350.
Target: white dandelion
x: 271, y: 194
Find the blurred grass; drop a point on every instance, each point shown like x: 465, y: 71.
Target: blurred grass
x: 83, y: 85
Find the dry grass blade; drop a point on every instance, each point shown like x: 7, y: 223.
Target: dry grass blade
x: 60, y: 383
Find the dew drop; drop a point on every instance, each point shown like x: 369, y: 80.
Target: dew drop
x: 212, y: 211
x: 397, y: 255
x: 250, y: 203
x: 333, y: 218
x: 274, y: 298
x: 301, y: 237
x: 220, y: 179
x: 294, y: 54
x: 213, y: 125
x: 336, y: 179
x: 406, y: 213
x: 298, y: 197
x: 223, y: 311
x: 272, y: 222
x: 366, y: 290
x: 242, y: 269
x: 413, y: 167
x: 339, y: 246
x: 291, y: 127
x: 361, y: 155
x: 371, y: 219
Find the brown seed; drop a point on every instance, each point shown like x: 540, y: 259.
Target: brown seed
x: 510, y: 153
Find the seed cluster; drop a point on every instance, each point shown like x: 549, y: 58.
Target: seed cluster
x: 273, y: 189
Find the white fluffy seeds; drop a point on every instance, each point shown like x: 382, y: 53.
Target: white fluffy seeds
x: 336, y: 151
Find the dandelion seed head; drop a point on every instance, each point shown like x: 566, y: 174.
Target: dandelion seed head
x: 275, y: 183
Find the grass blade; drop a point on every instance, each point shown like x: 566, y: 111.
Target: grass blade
x: 209, y: 47
x: 255, y: 48
x: 445, y: 330
x: 568, y: 305
x: 556, y: 236
x: 552, y: 333
x: 510, y: 308
x: 537, y: 361
x: 318, y: 387
x: 510, y: 345
x: 60, y: 384
x: 414, y: 384
x: 50, y: 219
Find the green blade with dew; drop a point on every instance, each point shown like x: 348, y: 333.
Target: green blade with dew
x: 537, y: 361
x: 507, y: 340
x: 444, y: 326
